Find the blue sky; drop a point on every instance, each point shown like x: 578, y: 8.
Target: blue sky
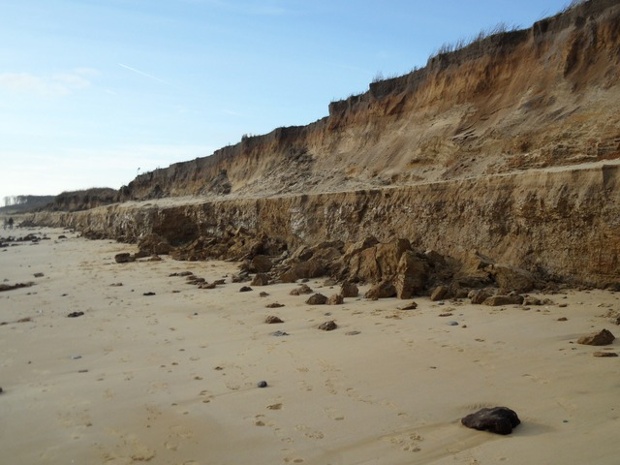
x: 93, y: 91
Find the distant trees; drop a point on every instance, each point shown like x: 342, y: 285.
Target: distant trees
x: 15, y: 200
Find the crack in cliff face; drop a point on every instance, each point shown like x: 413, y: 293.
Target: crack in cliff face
x: 509, y: 146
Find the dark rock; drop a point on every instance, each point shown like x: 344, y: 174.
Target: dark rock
x: 124, y: 258
x: 271, y: 320
x: 148, y: 293
x: 349, y: 289
x: 302, y: 289
x: 409, y: 306
x: 260, y: 264
x: 245, y: 289
x: 602, y: 338
x: 262, y: 384
x: 497, y: 300
x: 279, y: 333
x: 75, y: 314
x: 261, y: 279
x: 439, y: 293
x: 478, y: 296
x: 317, y: 299
x: 499, y: 420
x: 274, y: 305
x: 263, y: 294
x: 382, y: 290
x: 38, y: 275
x: 335, y: 299
x: 328, y: 325
x: 181, y: 274
x: 605, y: 354
x: 10, y: 287
x: 219, y: 282
x: 153, y: 244
x: 531, y: 300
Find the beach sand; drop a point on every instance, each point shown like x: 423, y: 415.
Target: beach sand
x: 171, y: 378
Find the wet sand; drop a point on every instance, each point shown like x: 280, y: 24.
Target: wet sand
x: 171, y: 378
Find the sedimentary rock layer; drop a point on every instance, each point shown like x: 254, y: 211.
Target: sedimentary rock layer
x: 538, y: 97
x: 562, y: 223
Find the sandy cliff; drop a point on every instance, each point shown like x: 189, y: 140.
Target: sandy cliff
x: 544, y: 96
x: 509, y: 146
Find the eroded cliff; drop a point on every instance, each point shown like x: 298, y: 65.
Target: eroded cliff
x: 545, y: 96
x: 509, y: 146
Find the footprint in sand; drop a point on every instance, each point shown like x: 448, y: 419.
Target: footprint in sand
x: 408, y: 442
x: 333, y: 414
x: 310, y: 432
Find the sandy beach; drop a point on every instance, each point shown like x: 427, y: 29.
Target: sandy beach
x: 159, y: 371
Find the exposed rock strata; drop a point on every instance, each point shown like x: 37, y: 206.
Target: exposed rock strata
x: 508, y: 147
x: 555, y: 223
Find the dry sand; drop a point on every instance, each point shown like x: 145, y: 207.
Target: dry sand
x: 172, y: 378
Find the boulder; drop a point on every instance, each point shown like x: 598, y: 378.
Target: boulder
x: 478, y: 296
x: 473, y: 271
x: 335, y: 299
x: 328, y: 325
x: 349, y: 289
x: 271, y: 320
x: 509, y: 278
x: 313, y: 268
x: 411, y: 275
x: 124, y: 258
x: 389, y: 256
x: 439, y: 293
x: 153, y: 244
x: 382, y: 290
x: 261, y: 279
x: 497, y: 300
x: 260, y: 264
x: 369, y: 260
x: 499, y: 420
x: 602, y: 338
x: 317, y: 299
x: 302, y: 289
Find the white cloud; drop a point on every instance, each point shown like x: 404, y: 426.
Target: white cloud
x: 54, y: 85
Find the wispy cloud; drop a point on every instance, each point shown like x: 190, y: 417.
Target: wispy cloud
x: 54, y: 85
x: 142, y: 73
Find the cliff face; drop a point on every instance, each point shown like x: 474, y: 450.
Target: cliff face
x: 509, y: 146
x: 545, y: 96
x: 537, y: 220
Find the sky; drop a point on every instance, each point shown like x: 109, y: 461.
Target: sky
x: 94, y: 92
